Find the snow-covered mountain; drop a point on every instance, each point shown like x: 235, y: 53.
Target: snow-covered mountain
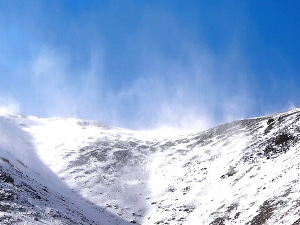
x: 72, y: 171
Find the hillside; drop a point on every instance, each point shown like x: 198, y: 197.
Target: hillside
x: 72, y: 171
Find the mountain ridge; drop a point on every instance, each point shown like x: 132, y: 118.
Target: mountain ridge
x: 243, y: 172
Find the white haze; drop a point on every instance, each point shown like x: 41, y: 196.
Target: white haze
x: 168, y: 94
x: 195, y: 88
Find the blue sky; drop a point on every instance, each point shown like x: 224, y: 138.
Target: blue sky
x: 148, y: 64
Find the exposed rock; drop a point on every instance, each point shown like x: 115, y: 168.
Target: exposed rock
x: 7, y: 178
x: 271, y: 120
x: 265, y: 212
x: 282, y: 138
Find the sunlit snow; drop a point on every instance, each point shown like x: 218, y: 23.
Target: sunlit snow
x: 238, y: 173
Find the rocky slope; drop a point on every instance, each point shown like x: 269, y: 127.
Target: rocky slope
x: 68, y: 171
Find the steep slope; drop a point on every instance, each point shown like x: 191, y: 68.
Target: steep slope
x: 30, y: 192
x: 245, y: 172
x: 106, y: 165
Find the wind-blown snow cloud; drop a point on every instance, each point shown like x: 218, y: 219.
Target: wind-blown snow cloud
x: 9, y: 104
x: 185, y: 93
x: 62, y: 90
x: 193, y: 92
x: 154, y: 65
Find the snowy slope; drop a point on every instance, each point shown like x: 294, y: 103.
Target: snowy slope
x: 31, y: 193
x: 84, y: 172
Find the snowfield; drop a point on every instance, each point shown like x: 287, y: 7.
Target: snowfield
x: 73, y: 171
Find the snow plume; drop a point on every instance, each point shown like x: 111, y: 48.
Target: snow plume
x: 64, y: 91
x: 9, y: 105
x: 176, y: 81
x: 174, y: 94
x: 193, y: 92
